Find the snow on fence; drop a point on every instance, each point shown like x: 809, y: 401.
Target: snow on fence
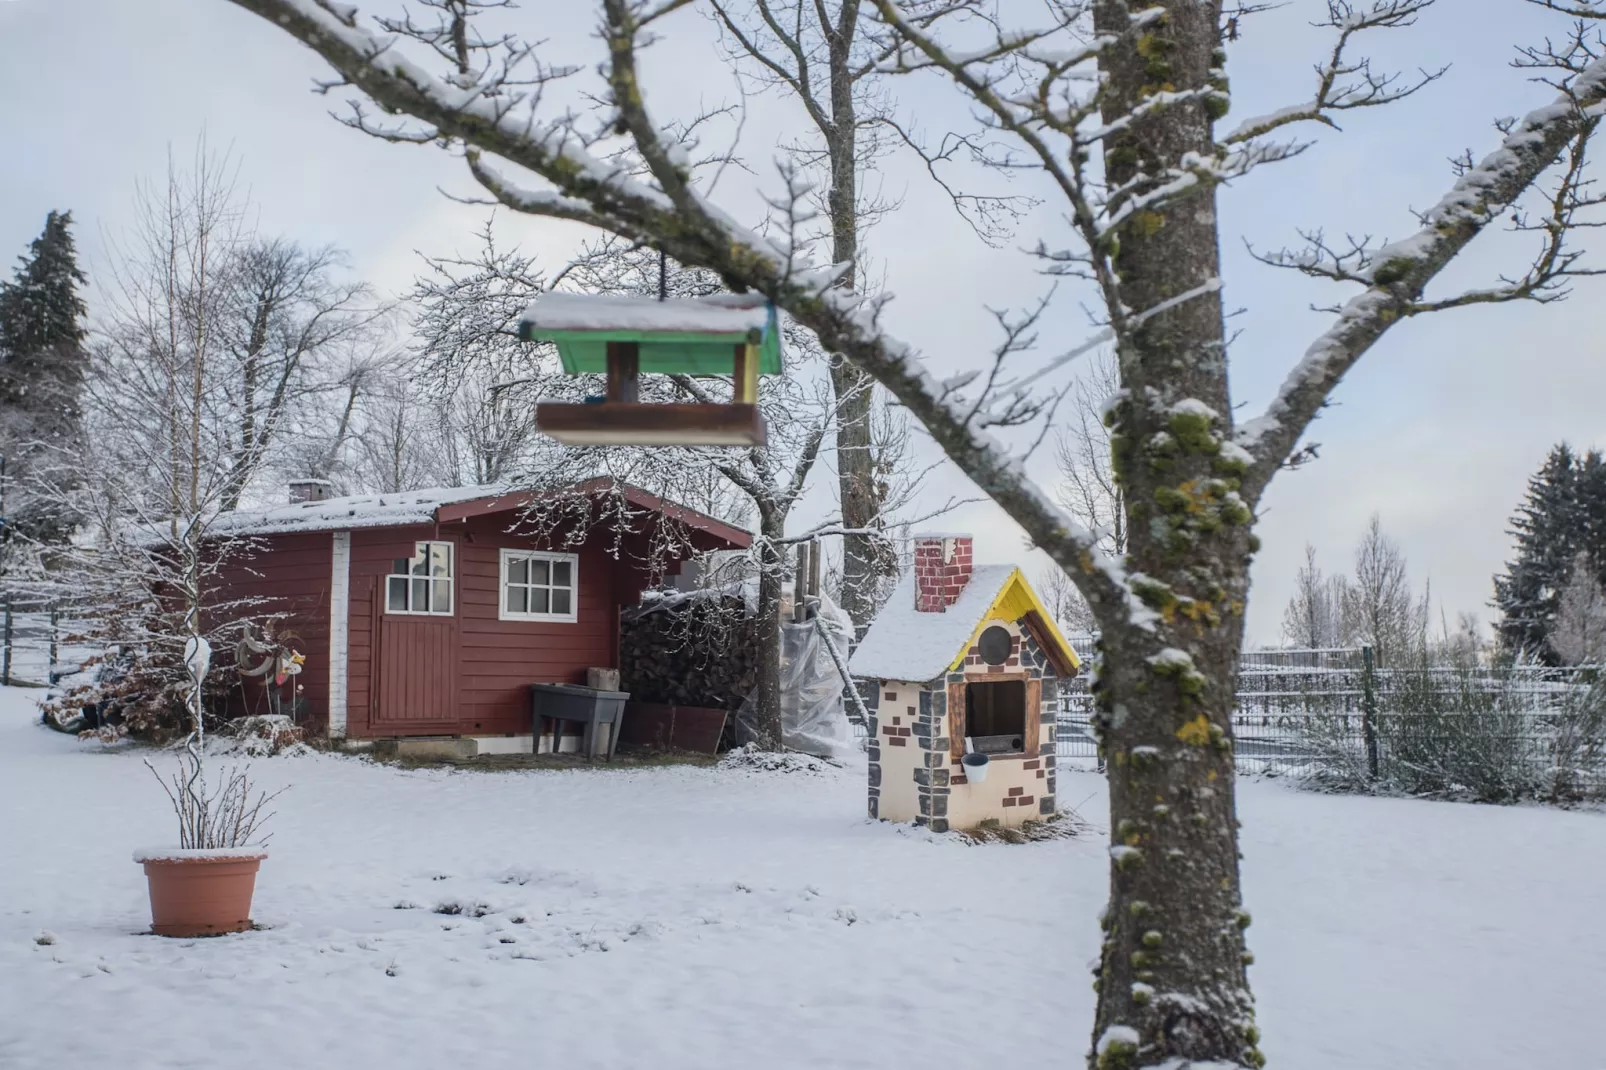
x: 1495, y: 733
x: 39, y: 642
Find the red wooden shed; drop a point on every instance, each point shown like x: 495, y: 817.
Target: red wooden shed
x: 429, y: 613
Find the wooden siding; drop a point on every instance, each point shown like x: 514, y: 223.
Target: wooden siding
x: 464, y: 674
x: 286, y: 574
x: 496, y: 660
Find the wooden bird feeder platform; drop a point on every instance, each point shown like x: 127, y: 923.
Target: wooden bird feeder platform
x: 624, y: 337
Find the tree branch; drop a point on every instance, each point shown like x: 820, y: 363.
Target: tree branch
x: 1397, y: 274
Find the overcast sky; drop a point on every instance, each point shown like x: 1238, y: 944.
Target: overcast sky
x: 1436, y: 430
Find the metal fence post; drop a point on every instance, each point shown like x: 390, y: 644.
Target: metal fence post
x: 1369, y: 710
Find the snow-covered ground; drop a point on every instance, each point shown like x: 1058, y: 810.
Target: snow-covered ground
x: 711, y: 918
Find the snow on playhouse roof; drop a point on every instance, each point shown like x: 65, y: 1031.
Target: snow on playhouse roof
x: 723, y: 314
x: 906, y: 644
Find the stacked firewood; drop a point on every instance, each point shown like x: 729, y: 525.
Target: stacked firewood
x: 697, y: 650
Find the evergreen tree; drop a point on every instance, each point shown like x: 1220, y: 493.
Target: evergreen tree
x: 42, y: 367
x: 1562, y: 517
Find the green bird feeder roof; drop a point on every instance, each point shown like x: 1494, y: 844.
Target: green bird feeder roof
x: 678, y: 336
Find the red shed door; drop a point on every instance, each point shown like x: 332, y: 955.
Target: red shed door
x: 416, y: 656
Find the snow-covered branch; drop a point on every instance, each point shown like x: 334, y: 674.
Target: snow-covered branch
x: 1397, y: 274
x: 1343, y: 84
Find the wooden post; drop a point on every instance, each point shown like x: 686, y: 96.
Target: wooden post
x: 1369, y: 710
x: 55, y: 620
x: 814, y: 570
x: 624, y: 370
x: 746, y: 379
x: 800, y: 583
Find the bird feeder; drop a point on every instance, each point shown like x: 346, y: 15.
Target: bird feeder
x: 624, y: 337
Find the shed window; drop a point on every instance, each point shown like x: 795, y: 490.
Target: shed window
x: 421, y: 583
x: 539, y: 586
x: 995, y: 716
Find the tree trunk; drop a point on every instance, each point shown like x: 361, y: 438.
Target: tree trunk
x: 1171, y: 980
x: 861, y: 504
x: 767, y: 687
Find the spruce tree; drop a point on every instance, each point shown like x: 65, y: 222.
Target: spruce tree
x: 1592, y: 508
x: 1551, y: 527
x: 42, y: 367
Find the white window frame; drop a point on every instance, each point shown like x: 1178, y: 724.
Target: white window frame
x: 450, y: 580
x: 508, y: 556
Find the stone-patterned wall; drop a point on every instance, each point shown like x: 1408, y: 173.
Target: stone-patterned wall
x: 896, y: 751
x: 912, y: 776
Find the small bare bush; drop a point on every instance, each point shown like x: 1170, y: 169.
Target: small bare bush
x: 209, y: 817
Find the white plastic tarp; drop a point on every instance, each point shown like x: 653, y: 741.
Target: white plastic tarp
x: 814, y: 716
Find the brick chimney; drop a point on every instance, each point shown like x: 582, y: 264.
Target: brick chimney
x: 310, y: 490
x: 942, y: 568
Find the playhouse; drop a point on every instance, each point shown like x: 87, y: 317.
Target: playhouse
x: 965, y: 663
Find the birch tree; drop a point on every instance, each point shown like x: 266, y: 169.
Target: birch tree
x: 154, y: 477
x: 1114, y: 107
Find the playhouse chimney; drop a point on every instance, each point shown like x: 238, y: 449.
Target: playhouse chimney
x: 942, y: 568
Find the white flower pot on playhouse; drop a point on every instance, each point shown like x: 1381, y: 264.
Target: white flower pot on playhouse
x: 975, y: 766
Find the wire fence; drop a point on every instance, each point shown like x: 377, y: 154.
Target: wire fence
x: 1494, y: 732
x: 40, y: 641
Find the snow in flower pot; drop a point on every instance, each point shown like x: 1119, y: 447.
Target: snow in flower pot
x: 204, y: 886
x: 975, y: 766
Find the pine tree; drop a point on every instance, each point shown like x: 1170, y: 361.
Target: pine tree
x: 42, y: 367
x: 1592, y: 507
x: 1551, y: 529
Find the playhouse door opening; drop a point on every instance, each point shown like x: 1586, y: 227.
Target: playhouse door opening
x: 995, y: 716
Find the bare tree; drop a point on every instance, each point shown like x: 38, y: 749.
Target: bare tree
x: 397, y: 443
x: 284, y: 320
x: 1112, y: 107
x: 1070, y: 609
x: 1379, y: 608
x: 154, y: 474
x: 1580, y: 634
x: 1314, y: 616
x: 1090, y: 493
x: 827, y: 55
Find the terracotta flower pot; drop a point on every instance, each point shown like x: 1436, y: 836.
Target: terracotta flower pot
x: 201, y: 893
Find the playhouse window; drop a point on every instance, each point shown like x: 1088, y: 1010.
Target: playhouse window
x: 421, y: 583
x: 995, y: 716
x: 539, y: 586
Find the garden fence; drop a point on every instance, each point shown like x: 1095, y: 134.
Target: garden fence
x: 1338, y: 713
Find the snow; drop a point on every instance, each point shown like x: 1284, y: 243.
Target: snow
x: 1262, y: 124
x: 355, y: 511
x: 906, y: 644
x: 732, y: 314
x: 196, y: 854
x: 1117, y: 1036
x: 1173, y: 659
x: 1195, y: 407
x: 721, y: 918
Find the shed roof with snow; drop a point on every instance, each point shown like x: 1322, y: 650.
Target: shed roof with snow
x: 445, y: 504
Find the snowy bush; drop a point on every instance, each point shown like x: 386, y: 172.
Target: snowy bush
x: 1499, y: 736
x: 1458, y: 734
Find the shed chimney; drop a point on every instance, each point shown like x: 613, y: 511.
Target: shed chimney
x: 942, y: 568
x: 310, y: 490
